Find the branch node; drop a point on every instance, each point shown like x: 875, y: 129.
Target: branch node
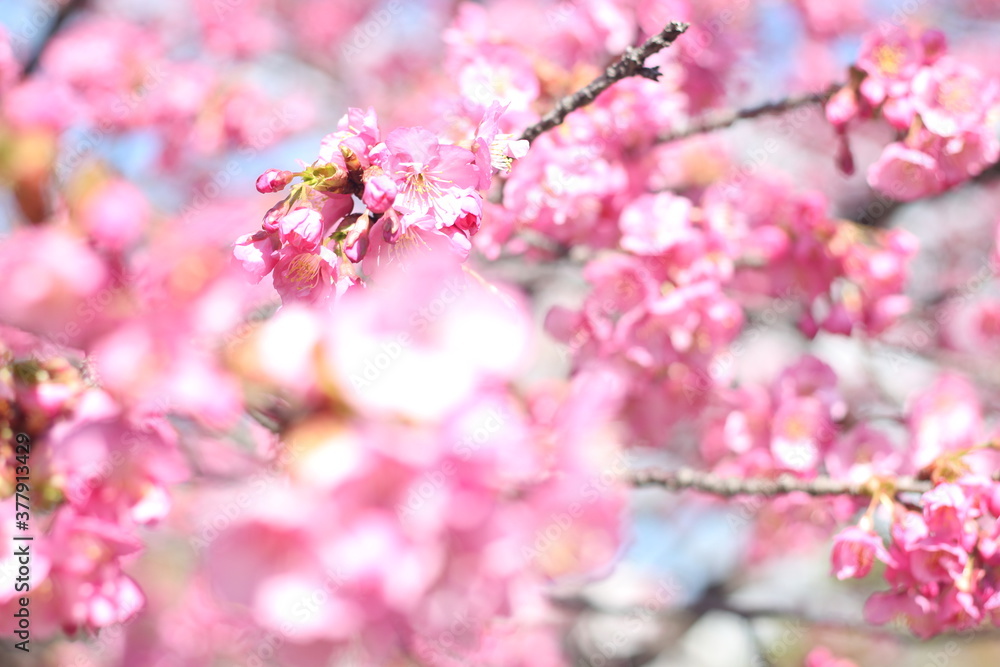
x: 651, y: 73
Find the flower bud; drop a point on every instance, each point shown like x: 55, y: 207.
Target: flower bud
x: 302, y: 228
x: 273, y: 180
x: 380, y: 193
x: 356, y: 243
x: 329, y: 178
x: 844, y: 157
x: 273, y: 217
x: 392, y: 228
x: 350, y: 158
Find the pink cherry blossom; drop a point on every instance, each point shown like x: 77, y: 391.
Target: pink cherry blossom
x: 380, y: 193
x: 307, y: 275
x: 374, y: 457
x: 50, y: 275
x: 257, y: 254
x: 429, y: 175
x: 944, y: 418
x: 854, y: 552
x: 905, y: 173
x: 952, y: 97
x: 116, y: 215
x: 302, y: 228
x: 493, y: 148
x: 656, y: 223
x: 891, y: 60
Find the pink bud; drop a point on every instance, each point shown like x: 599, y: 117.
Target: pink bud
x: 380, y: 193
x: 273, y: 180
x: 994, y: 499
x: 839, y: 320
x: 808, y: 325
x: 854, y: 552
x: 273, y: 217
x: 392, y: 229
x: 256, y: 254
x: 302, y: 228
x: 845, y: 159
x: 356, y: 245
x: 935, y: 45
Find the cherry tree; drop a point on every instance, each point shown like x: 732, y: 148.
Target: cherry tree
x: 591, y: 332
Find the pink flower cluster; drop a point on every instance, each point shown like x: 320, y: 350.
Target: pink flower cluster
x: 658, y: 336
x: 945, y: 107
x: 848, y: 277
x: 942, y: 563
x: 576, y: 184
x: 790, y: 427
x: 407, y: 496
x: 659, y: 315
x: 415, y: 192
x: 99, y: 342
x: 98, y: 475
x: 129, y: 82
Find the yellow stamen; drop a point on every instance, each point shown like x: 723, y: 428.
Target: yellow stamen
x: 889, y: 59
x: 956, y: 95
x: 304, y: 268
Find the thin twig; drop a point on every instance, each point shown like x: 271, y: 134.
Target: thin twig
x: 631, y: 63
x: 723, y: 119
x: 67, y: 10
x: 686, y: 478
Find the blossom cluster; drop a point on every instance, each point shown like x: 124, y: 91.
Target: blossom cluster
x: 788, y: 427
x: 102, y: 355
x: 396, y: 509
x: 846, y: 276
x: 657, y: 337
x: 940, y: 557
x: 942, y: 562
x: 946, y: 109
x: 659, y: 314
x: 416, y: 191
x: 99, y: 473
x: 132, y: 83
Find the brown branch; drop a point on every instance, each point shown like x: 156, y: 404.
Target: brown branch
x: 686, y: 478
x: 723, y: 119
x: 66, y: 11
x: 629, y: 64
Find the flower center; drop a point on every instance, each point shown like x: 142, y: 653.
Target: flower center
x: 956, y: 95
x: 499, y: 159
x: 304, y: 269
x: 419, y: 190
x: 889, y: 59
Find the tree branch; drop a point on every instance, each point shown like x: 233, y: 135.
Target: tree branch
x: 67, y: 10
x: 686, y: 478
x: 723, y: 119
x: 631, y: 63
